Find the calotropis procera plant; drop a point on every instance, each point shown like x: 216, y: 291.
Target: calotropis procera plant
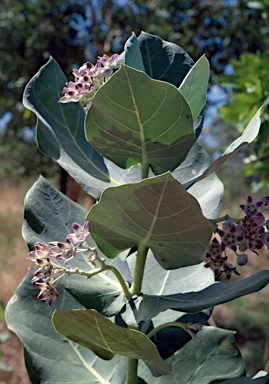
x: 128, y: 294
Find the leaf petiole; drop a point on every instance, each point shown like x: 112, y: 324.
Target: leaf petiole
x: 186, y: 327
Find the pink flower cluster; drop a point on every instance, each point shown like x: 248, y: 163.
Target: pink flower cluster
x: 46, y: 267
x: 88, y: 79
x: 248, y: 234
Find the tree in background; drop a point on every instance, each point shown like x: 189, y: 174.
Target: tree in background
x: 74, y: 31
x: 30, y: 32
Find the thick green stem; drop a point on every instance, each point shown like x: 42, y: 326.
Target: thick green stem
x: 132, y: 371
x: 186, y: 327
x: 165, y: 325
x: 139, y: 269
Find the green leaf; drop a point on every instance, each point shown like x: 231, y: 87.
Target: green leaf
x: 208, y: 191
x: 49, y: 357
x: 196, y: 363
x: 60, y: 133
x: 156, y: 213
x: 218, y: 293
x: 99, y: 292
x: 209, y: 194
x: 49, y: 216
x: 133, y: 57
x: 164, y: 60
x: 159, y: 281
x: 250, y: 133
x: 194, y: 86
x: 92, y: 330
x: 124, y: 127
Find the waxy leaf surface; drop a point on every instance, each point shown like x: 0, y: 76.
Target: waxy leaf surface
x: 197, y: 363
x: 92, y: 330
x: 194, y: 86
x: 158, y: 281
x: 156, y: 213
x: 164, y: 60
x: 48, y: 217
x: 60, y: 133
x: 44, y: 348
x: 193, y: 302
x: 134, y: 118
x: 132, y: 53
x: 208, y: 191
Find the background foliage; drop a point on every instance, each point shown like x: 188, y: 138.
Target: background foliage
x: 75, y: 31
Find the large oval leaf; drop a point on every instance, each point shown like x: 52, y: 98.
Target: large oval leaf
x: 134, y: 118
x: 49, y: 216
x: 164, y: 60
x: 156, y: 213
x: 50, y: 358
x: 60, y: 133
x: 92, y: 330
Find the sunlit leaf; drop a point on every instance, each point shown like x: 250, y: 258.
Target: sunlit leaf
x: 164, y: 60
x: 156, y: 213
x: 92, y: 330
x: 125, y: 128
x: 194, y: 86
x: 60, y: 133
x: 133, y: 57
x: 250, y: 133
x: 209, y: 191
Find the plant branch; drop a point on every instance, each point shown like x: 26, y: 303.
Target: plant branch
x: 88, y: 274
